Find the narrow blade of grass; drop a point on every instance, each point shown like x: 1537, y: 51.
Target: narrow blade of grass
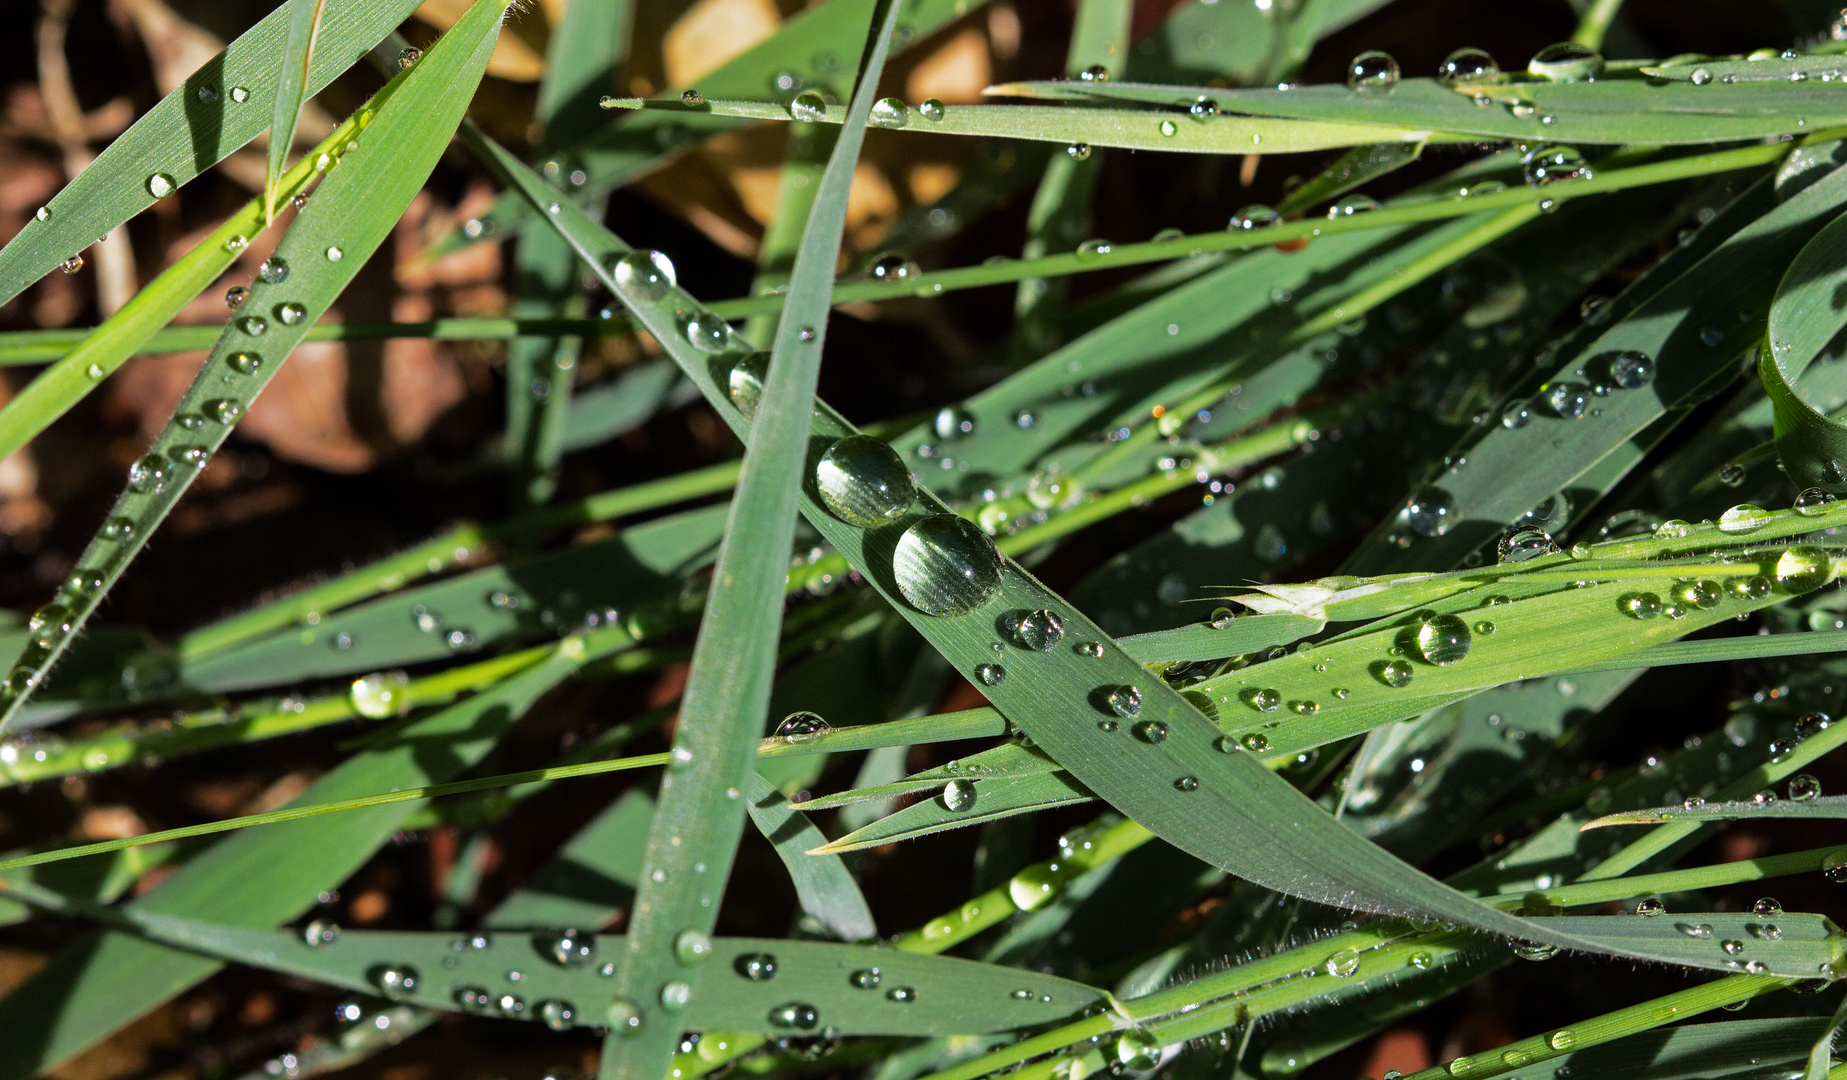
x: 824, y: 886
x: 291, y: 93
x: 1804, y: 317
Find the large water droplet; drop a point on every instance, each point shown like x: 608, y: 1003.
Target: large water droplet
x: 1803, y: 787
x: 320, y: 932
x: 573, y: 949
x: 708, y: 333
x: 1126, y: 702
x: 1343, y: 964
x: 623, y: 1017
x: 1534, y: 950
x: 1443, y: 640
x: 1568, y: 400
x: 1254, y: 216
x: 945, y: 565
x: 959, y: 795
x: 1467, y: 65
x: 1803, y: 569
x: 798, y: 724
x: 254, y: 325
x: 1393, y: 673
x: 862, y: 480
x: 246, y: 363
x: 1744, y: 518
x: 1813, y: 502
x: 1429, y: 511
x: 890, y: 113
x: 675, y: 995
x: 291, y: 313
x: 1554, y: 164
x: 380, y: 695
x: 1039, y: 631
x: 1631, y: 369
x: 645, y: 275
x: 808, y: 106
x: 795, y: 1016
x: 1639, y: 605
x: 1372, y: 71
x: 892, y: 267
x: 148, y: 475
x: 953, y: 422
x: 1137, y: 1051
x: 991, y: 674
x: 274, y: 271
x: 557, y: 1015
x: 1523, y: 542
x: 397, y: 982
x: 160, y: 185
x: 744, y: 383
x: 932, y: 110
x: 1351, y: 205
x: 1566, y: 61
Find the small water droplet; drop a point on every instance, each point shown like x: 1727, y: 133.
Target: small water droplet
x: 334, y: 254
x: 160, y: 185
x: 862, y: 480
x: 1566, y: 61
x: 320, y: 932
x: 291, y: 313
x: 1343, y: 964
x: 959, y: 795
x: 889, y: 113
x: 1078, y: 151
x: 573, y: 949
x: 991, y: 674
x: 1137, y: 1051
x: 1567, y: 400
x: 808, y: 106
x: 557, y: 1015
x: 1393, y: 673
x: 796, y: 1016
x: 1372, y: 71
x: 1443, y: 640
x: 1639, y: 605
x: 397, y: 982
x: 1429, y: 513
x: 1468, y: 65
x: 1546, y: 165
x: 623, y: 1017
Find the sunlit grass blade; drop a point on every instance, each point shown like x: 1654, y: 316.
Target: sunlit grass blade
x: 219, y: 108
x: 1360, y: 165
x: 989, y: 800
x: 356, y: 206
x: 291, y: 93
x: 1803, y: 802
x: 700, y: 817
x: 1231, y: 800
x: 824, y: 885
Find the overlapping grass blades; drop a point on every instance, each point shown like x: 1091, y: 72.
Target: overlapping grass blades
x: 218, y: 109
x: 291, y: 92
x: 700, y: 815
x: 1805, y: 315
x: 1173, y: 778
x: 359, y: 202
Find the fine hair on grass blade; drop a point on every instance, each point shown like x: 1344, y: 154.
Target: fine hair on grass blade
x: 690, y: 844
x: 356, y: 206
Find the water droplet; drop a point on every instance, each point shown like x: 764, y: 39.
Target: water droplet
x: 1694, y: 930
x: 890, y: 113
x: 744, y: 383
x: 160, y: 185
x: 239, y: 94
x: 557, y: 1015
x: 1568, y: 400
x: 644, y: 275
x: 1429, y: 511
x: 1091, y: 249
x: 320, y: 932
x: 675, y: 995
x: 1468, y: 65
x: 1755, y: 587
x: 1169, y: 128
x: 1151, y: 731
x: 1372, y: 71
x: 1256, y: 742
x: 959, y: 795
x: 1351, y: 205
x: 1443, y: 640
x: 991, y: 674
x: 1523, y: 542
x: 148, y: 475
x: 43, y: 213
x: 1092, y: 649
x: 1534, y: 950
x: 1137, y: 1051
x: 691, y: 946
x: 1554, y: 164
x: 1094, y: 73
x: 798, y: 724
x: 1631, y: 369
x: 932, y: 110
x: 892, y: 267
x: 953, y: 422
x: 1039, y: 631
x: 119, y: 529
x: 409, y: 56
x: 291, y: 313
x: 1566, y: 61
x: 397, y: 982
x: 1639, y: 605
x: 862, y: 480
x: 573, y: 949
x: 757, y: 967
x: 1126, y: 702
x: 1732, y: 946
x: 1744, y: 518
x: 1393, y: 673
x: 1263, y: 699
x: 708, y: 333
x: 1767, y: 905
x: 795, y: 1015
x: 1700, y: 77
x: 809, y: 106
x: 1695, y: 594
x: 234, y: 296
x: 1035, y: 887
x: 1343, y: 964
x: 623, y: 1017
x: 1803, y: 787
x: 1254, y: 216
x: 1803, y: 569
x: 945, y: 565
x: 72, y: 264
x: 1078, y: 151
x: 380, y: 695
x: 1187, y: 783
x: 274, y: 271
x: 1562, y: 1039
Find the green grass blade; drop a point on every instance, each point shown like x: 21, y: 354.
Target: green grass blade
x: 994, y: 798
x: 356, y: 207
x: 1797, y: 805
x: 137, y: 324
x: 824, y: 885
x: 1360, y: 165
x: 592, y: 877
x: 291, y: 93
x: 1243, y: 802
x: 802, y: 168
x: 728, y: 688
x: 1805, y: 316
x: 219, y: 108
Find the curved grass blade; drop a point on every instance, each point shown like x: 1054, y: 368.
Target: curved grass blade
x: 1166, y: 768
x: 273, y: 874
x: 1824, y: 67
x: 824, y: 886
x: 291, y: 91
x: 995, y: 798
x: 1360, y: 165
x: 1612, y: 110
x: 136, y: 325
x: 695, y: 833
x: 355, y: 208
x: 1805, y: 316
x: 219, y: 108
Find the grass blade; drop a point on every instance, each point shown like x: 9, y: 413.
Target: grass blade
x: 1802, y: 803
x: 734, y: 658
x: 824, y: 885
x: 356, y: 206
x: 1804, y: 318
x: 291, y: 93
x: 218, y: 109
